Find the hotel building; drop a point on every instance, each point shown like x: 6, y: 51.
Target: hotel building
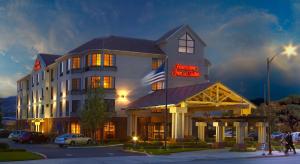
x: 50, y: 97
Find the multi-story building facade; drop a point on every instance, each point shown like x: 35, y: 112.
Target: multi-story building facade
x: 50, y: 97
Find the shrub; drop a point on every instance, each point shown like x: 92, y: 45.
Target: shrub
x: 12, y: 150
x: 4, y: 146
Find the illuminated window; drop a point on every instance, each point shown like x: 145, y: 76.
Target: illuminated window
x: 76, y: 62
x: 93, y: 60
x: 108, y: 82
x: 109, y: 130
x: 157, y: 86
x: 75, y: 128
x: 109, y: 60
x: 94, y: 82
x: 156, y: 63
x: 186, y: 44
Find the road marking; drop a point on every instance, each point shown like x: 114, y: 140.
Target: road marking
x: 69, y: 155
x: 110, y: 154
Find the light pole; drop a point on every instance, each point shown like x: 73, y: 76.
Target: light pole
x: 289, y: 50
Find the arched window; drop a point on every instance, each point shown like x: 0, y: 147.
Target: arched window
x: 186, y: 44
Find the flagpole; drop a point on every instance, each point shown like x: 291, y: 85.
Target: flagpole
x: 166, y: 105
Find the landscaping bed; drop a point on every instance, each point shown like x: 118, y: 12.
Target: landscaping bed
x: 7, y: 154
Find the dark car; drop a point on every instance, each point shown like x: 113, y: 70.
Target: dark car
x: 4, y: 133
x: 33, y: 137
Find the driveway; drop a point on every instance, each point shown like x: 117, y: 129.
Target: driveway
x: 53, y: 151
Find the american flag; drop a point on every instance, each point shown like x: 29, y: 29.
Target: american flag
x: 155, y: 75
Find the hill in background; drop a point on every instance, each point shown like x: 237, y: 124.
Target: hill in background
x: 8, y: 106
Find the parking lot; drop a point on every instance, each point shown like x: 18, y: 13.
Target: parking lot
x: 53, y: 151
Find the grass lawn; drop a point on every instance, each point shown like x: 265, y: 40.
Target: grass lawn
x: 18, y: 156
x: 168, y: 151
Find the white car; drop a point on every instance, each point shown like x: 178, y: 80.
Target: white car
x: 296, y: 136
x: 72, y: 139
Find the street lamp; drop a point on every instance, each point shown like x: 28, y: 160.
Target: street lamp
x: 288, y: 50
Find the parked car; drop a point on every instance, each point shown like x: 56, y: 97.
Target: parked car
x: 296, y: 136
x: 32, y: 137
x: 15, y: 134
x: 253, y: 135
x: 230, y: 133
x: 72, y: 139
x: 4, y: 133
x: 277, y: 135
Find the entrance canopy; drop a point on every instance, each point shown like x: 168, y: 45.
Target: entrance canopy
x: 199, y: 97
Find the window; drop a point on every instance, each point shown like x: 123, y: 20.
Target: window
x: 109, y: 130
x: 42, y: 93
x: 93, y: 82
x: 156, y: 62
x: 37, y: 112
x: 67, y: 87
x: 157, y: 86
x: 75, y: 128
x: 67, y: 108
x: 37, y: 79
x: 76, y: 84
x: 109, y: 60
x: 76, y: 62
x: 61, y: 88
x: 51, y: 110
x: 93, y: 59
x: 110, y: 105
x: 32, y: 80
x: 36, y: 96
x: 108, y: 82
x: 42, y: 110
x: 186, y: 44
x: 52, y: 74
x: 61, y: 68
x: 68, y: 65
x: 51, y: 91
x: 75, y: 106
x: 43, y: 75
x: 60, y: 109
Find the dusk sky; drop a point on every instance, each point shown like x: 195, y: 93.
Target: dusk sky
x: 240, y: 35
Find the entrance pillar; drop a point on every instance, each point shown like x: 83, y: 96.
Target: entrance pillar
x: 188, y: 129
x: 178, y: 122
x: 201, y: 130
x: 240, y: 133
x: 131, y: 124
x: 220, y: 126
x: 262, y: 126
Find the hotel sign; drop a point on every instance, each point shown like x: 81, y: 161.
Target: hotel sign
x: 181, y: 70
x: 37, y: 65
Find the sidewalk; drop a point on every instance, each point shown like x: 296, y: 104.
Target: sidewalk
x: 216, y: 154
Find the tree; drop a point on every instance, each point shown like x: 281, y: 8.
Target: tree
x: 94, y: 114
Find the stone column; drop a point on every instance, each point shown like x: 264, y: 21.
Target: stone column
x: 201, y: 130
x: 240, y: 132
x: 178, y: 122
x: 262, y: 126
x: 219, y: 133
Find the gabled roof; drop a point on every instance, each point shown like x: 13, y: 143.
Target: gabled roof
x: 169, y: 33
x: 119, y: 43
x: 49, y: 58
x: 175, y: 95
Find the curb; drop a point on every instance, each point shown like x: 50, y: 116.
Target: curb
x: 43, y: 155
x: 132, y: 151
x: 86, y: 147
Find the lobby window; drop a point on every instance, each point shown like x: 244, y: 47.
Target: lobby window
x: 156, y: 62
x: 108, y: 82
x: 76, y: 62
x: 186, y: 44
x: 75, y: 128
x: 109, y: 130
x: 109, y: 60
x: 94, y: 60
x: 76, y: 84
x: 157, y: 86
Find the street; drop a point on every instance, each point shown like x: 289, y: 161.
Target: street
x: 53, y: 151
